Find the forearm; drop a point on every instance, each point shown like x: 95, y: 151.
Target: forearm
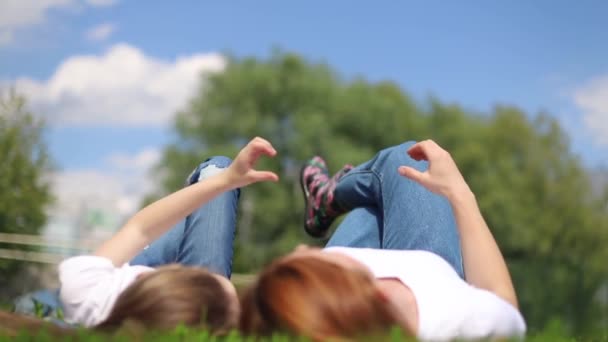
x: 484, y: 264
x: 157, y: 218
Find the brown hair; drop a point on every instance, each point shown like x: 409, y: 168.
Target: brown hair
x: 174, y: 295
x: 315, y: 298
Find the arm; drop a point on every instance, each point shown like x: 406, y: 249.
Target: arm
x: 483, y: 263
x: 157, y: 218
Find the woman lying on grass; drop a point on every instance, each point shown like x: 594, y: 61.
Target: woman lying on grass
x: 171, y: 262
x: 404, y: 256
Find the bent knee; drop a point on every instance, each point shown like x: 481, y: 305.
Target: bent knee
x: 208, y: 168
x: 218, y: 161
x: 213, y: 165
x: 398, y: 156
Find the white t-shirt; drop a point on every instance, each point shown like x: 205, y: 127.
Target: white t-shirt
x: 448, y: 307
x: 90, y: 286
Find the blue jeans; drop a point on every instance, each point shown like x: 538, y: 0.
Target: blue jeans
x: 388, y: 211
x: 205, y: 237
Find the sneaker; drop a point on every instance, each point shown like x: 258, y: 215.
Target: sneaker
x: 318, y: 188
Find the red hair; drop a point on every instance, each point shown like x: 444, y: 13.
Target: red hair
x: 310, y: 297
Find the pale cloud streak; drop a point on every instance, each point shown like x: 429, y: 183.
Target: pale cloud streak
x: 123, y: 87
x: 19, y: 15
x: 100, y: 32
x: 592, y: 99
x: 142, y: 161
x: 101, y: 3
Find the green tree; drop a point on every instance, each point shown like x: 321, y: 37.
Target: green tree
x: 532, y: 190
x: 24, y: 171
x: 303, y: 109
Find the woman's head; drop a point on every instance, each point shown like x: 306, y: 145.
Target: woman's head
x: 309, y: 295
x: 174, y: 295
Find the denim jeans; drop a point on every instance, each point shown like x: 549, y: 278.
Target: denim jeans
x: 388, y: 211
x: 205, y: 237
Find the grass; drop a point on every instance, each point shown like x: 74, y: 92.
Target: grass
x: 24, y: 328
x: 180, y: 334
x: 32, y: 329
x: 202, y: 336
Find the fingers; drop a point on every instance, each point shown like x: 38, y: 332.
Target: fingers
x: 264, y: 176
x: 261, y: 146
x: 411, y: 173
x: 424, y: 150
x: 249, y: 156
x: 419, y: 151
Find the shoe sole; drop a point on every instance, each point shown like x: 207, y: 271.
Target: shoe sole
x: 315, y: 234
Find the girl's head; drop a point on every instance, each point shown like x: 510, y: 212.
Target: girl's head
x: 174, y: 295
x: 311, y: 295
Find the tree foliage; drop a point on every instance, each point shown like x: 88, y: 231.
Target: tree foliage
x: 24, y: 189
x: 532, y: 190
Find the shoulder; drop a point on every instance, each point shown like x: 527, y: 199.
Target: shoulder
x: 92, y: 265
x: 387, y: 262
x: 84, y: 262
x: 378, y: 253
x: 90, y: 286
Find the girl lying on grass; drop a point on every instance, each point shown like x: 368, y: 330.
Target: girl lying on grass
x: 171, y: 262
x: 413, y: 252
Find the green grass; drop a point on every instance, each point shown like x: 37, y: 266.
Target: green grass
x: 180, y: 334
x: 39, y: 331
x: 184, y: 335
x: 33, y: 329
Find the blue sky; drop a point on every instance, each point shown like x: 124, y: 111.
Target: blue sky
x: 538, y: 55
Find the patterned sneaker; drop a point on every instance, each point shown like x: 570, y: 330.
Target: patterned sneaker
x: 318, y: 189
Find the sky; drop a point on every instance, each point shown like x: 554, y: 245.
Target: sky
x: 108, y: 75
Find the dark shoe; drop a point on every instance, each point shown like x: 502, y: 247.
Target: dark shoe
x: 318, y: 188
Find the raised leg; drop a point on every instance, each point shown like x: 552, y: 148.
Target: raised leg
x: 204, y: 238
x: 408, y: 216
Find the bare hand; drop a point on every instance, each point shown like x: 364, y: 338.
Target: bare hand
x: 242, y: 170
x: 442, y: 176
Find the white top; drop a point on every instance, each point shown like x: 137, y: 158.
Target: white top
x: 448, y: 307
x: 90, y: 286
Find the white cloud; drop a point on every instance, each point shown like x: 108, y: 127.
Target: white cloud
x: 16, y: 15
x: 142, y: 161
x: 100, y: 32
x: 20, y: 14
x: 122, y: 87
x: 101, y: 3
x: 592, y: 99
x: 97, y: 202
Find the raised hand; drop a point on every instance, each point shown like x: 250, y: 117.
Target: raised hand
x: 442, y: 176
x: 242, y: 171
